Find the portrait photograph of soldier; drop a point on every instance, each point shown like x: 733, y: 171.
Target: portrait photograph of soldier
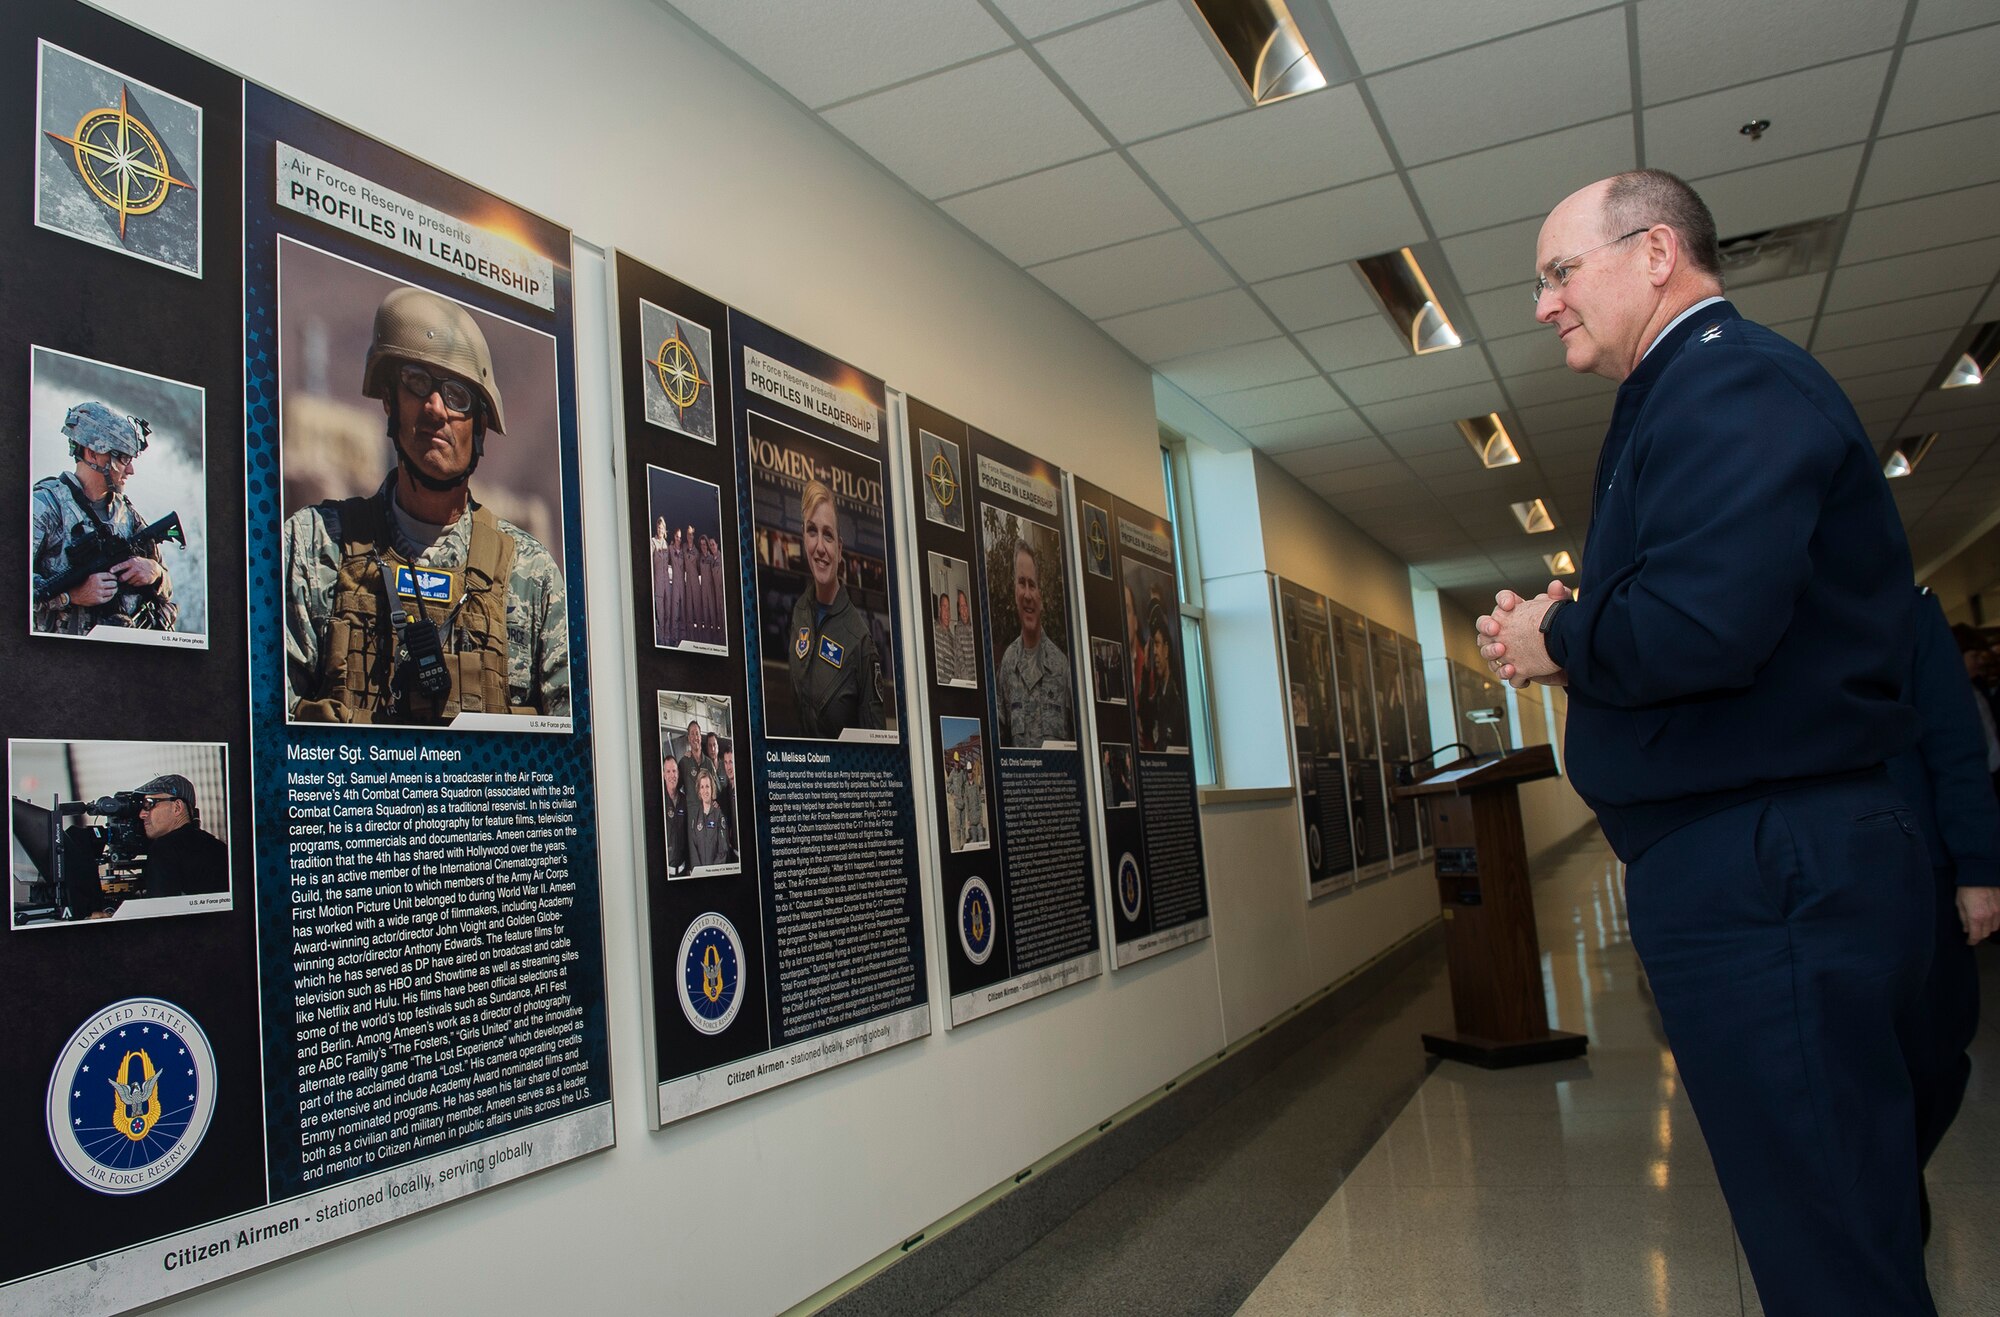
x: 690, y: 599
x: 1117, y: 775
x: 948, y: 586
x: 965, y: 814
x: 823, y: 590
x: 423, y: 539
x: 1159, y: 704
x: 1034, y: 686
x: 942, y: 480
x: 117, y: 504
x: 679, y: 379
x: 117, y: 830
x: 698, y: 785
x: 1096, y: 540
x: 1107, y: 670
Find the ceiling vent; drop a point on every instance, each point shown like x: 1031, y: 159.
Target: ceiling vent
x: 1781, y: 253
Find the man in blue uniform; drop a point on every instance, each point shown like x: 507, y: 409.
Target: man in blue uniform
x: 1735, y: 659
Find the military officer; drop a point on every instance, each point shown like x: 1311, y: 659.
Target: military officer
x: 1036, y: 702
x: 691, y: 762
x: 961, y: 635
x: 415, y: 603
x: 675, y: 814
x: 944, y: 645
x: 836, y: 669
x: 708, y: 843
x: 1162, y: 710
x: 725, y: 800
x: 71, y: 508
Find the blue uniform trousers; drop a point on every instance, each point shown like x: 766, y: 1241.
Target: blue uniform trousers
x: 1785, y: 940
x: 1943, y: 1023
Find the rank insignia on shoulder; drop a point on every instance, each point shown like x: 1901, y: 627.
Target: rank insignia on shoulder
x: 803, y: 645
x: 1711, y: 332
x: 425, y: 583
x: 830, y: 651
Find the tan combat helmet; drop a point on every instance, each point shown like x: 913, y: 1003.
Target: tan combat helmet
x: 415, y: 325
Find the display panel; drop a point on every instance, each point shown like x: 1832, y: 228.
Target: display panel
x: 1415, y: 690
x: 1392, y: 716
x: 1014, y: 864
x: 784, y: 921
x: 1367, y: 800
x: 1319, y: 754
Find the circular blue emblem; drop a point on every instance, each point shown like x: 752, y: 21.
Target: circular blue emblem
x: 131, y: 1096
x: 1131, y: 896
x: 976, y: 920
x: 711, y: 977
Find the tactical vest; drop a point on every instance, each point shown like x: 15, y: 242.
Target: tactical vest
x: 358, y: 658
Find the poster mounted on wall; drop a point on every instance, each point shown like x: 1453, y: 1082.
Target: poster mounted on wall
x: 1417, y: 694
x: 784, y: 928
x: 1361, y: 742
x: 1392, y: 716
x: 354, y: 774
x: 1156, y: 877
x: 1319, y: 755
x: 1005, y: 669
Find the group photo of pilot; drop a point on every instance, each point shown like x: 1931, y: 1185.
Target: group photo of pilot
x: 116, y: 830
x: 942, y: 479
x: 690, y: 598
x: 698, y: 785
x: 824, y: 600
x: 423, y: 536
x: 117, y: 504
x: 1152, y: 623
x: 1027, y: 626
x: 964, y: 757
x: 948, y: 582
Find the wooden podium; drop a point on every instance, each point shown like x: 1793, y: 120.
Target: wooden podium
x: 1499, y: 1013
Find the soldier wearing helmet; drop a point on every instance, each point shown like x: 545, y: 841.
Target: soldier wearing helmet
x: 415, y: 603
x: 69, y: 510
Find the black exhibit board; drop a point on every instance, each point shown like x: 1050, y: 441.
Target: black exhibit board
x: 1367, y: 798
x: 1326, y: 818
x: 783, y: 920
x: 1147, y: 803
x: 304, y: 930
x: 1480, y: 710
x: 1001, y: 669
x: 1418, y: 700
x: 1392, y: 716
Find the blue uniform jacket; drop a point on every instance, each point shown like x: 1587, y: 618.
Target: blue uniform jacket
x: 1743, y: 620
x: 1944, y: 778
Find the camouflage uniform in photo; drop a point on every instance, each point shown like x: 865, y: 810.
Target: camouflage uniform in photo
x: 62, y: 519
x: 1034, y: 687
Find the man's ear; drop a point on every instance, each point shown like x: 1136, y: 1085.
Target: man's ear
x: 1663, y: 254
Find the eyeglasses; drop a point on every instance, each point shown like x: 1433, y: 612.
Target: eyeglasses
x: 150, y: 801
x: 421, y: 384
x: 1557, y: 273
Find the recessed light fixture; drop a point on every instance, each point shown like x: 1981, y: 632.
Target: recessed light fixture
x: 1977, y: 360
x: 1560, y: 562
x: 1399, y: 284
x: 1780, y: 253
x: 1534, y: 516
x: 1907, y: 453
x: 1264, y: 46
x: 1490, y: 440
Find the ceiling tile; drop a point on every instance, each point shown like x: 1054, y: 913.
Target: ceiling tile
x: 1525, y: 178
x: 1521, y: 354
x: 1576, y: 439
x: 1920, y: 350
x: 1494, y: 258
x: 1914, y: 315
x: 839, y: 48
x: 1425, y: 106
x: 1437, y: 437
x: 1803, y: 188
x: 1167, y: 267
x: 1572, y: 413
x: 1038, y: 18
x: 1505, y: 312
x: 1146, y: 72
x: 1413, y: 375
x: 1935, y: 221
x: 1958, y: 408
x: 1392, y: 475
x: 1275, y: 402
x: 1304, y: 462
x: 1798, y: 331
x: 1991, y: 310
x: 1246, y: 366
x: 1382, y: 36
x: 1558, y: 385
x: 1305, y: 144
x: 1061, y: 211
x: 1965, y: 265
x: 1809, y: 111
x: 1218, y: 320
x: 1317, y: 297
x: 1358, y: 220
x: 1449, y: 462
x: 1914, y: 164
x: 1354, y: 343
x: 1903, y: 383
x: 1431, y: 408
x: 1336, y: 427
x: 1937, y: 17
x: 1690, y: 46
x: 1780, y: 299
x: 1949, y: 78
x: 969, y: 126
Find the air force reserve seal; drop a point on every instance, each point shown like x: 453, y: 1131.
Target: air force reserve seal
x: 975, y: 920
x: 711, y: 979
x: 1131, y: 897
x: 131, y: 1096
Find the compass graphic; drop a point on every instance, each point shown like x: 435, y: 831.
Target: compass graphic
x: 1098, y: 547
x: 121, y: 161
x: 679, y: 372
x: 679, y: 379
x: 944, y: 485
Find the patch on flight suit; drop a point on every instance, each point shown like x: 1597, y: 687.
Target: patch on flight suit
x: 830, y: 651
x: 425, y: 583
x: 803, y: 645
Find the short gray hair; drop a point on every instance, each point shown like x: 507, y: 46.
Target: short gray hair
x: 1653, y: 196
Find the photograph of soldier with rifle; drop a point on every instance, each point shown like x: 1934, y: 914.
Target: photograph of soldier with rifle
x: 100, y: 567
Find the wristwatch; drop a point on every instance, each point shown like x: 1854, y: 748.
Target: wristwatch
x: 1548, y: 618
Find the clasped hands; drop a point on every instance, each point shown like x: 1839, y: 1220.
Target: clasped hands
x: 1511, y: 641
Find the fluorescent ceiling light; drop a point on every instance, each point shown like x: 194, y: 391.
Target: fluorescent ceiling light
x: 1264, y: 47
x: 1560, y: 562
x: 1534, y: 516
x: 1978, y: 359
x: 1405, y: 296
x: 1490, y: 440
x: 1904, y: 457
x: 1780, y: 253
